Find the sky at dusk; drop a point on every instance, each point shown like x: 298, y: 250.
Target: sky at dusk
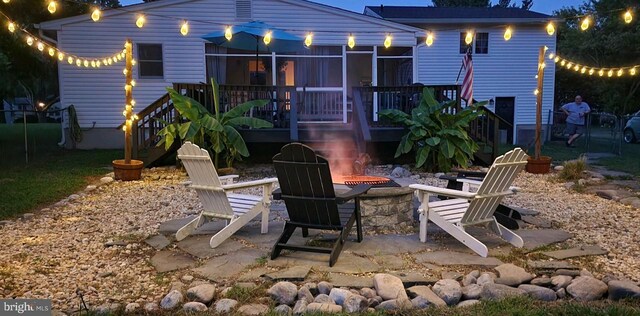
x: 544, y: 6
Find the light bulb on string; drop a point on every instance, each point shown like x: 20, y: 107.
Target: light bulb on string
x: 78, y: 62
x: 563, y: 62
x: 29, y: 40
x: 40, y: 46
x: 70, y: 60
x: 429, y: 40
x: 610, y: 73
x: 551, y: 29
x: 85, y: 63
x: 98, y: 63
x: 468, y: 39
x: 620, y: 72
x: 569, y: 65
x: 586, y: 22
x: 11, y: 27
x: 557, y: 59
x: 133, y: 62
x: 308, y: 40
x: 6, y: 1
x: 583, y: 70
x: 140, y: 21
x: 628, y: 17
x: 591, y: 71
x: 576, y: 68
x: 60, y: 56
x: 267, y: 38
x: 228, y: 34
x: 552, y: 56
x: 601, y: 72
x: 52, y: 7
x: 133, y: 83
x: 95, y: 15
x: 184, y: 29
x: 93, y: 63
x: 632, y: 71
x: 507, y: 34
x: 52, y: 52
x: 387, y: 41
x: 351, y: 42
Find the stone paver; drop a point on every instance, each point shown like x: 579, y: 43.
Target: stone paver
x: 165, y: 261
x: 297, y: 273
x: 227, y: 266
x: 585, y: 250
x: 253, y: 274
x: 347, y: 280
x: 550, y: 265
x: 447, y: 258
x: 534, y: 238
x: 158, y: 242
x: 170, y: 227
x: 537, y: 221
x: 389, y: 245
x: 347, y: 262
x: 198, y: 246
x: 390, y: 261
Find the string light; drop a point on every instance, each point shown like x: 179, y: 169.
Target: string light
x: 507, y: 34
x: 585, y: 23
x: 52, y: 7
x: 632, y: 71
x: 620, y: 72
x: 552, y: 56
x: 591, y: 71
x: 267, y: 38
x: 184, y: 29
x: 40, y: 46
x: 601, y: 72
x: 469, y: 38
x: 308, y: 40
x: 70, y: 60
x: 429, y: 40
x: 628, y: 17
x: 387, y: 41
x: 610, y: 73
x: 60, y: 56
x: 551, y: 29
x: 6, y: 1
x: 95, y: 15
x: 52, y: 52
x: 563, y: 62
x: 140, y: 21
x: 29, y: 40
x: 11, y: 27
x: 228, y: 34
x: 583, y: 70
x: 351, y: 42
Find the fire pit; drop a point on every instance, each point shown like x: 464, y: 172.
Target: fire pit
x: 375, y: 182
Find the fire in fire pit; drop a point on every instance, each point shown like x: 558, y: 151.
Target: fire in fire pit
x: 374, y: 181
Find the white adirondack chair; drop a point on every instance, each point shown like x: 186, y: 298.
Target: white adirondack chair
x: 467, y: 208
x: 218, y: 203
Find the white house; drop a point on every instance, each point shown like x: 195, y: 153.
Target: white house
x: 504, y: 70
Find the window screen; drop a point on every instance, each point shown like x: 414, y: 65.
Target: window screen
x: 482, y: 43
x: 150, y: 61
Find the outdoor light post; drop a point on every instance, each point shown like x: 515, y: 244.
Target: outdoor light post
x: 539, y: 164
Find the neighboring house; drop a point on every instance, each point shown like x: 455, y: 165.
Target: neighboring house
x: 329, y: 69
x: 504, y: 71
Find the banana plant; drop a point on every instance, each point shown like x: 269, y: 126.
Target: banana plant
x: 217, y: 129
x: 438, y: 138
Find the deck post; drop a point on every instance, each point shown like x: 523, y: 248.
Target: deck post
x: 293, y: 116
x: 344, y: 84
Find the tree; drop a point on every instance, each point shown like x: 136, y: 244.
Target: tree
x: 462, y: 3
x: 609, y: 43
x: 527, y: 4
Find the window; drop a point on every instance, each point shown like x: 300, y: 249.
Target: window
x: 481, y: 43
x: 150, y: 61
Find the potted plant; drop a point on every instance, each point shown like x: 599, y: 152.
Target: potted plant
x: 539, y: 164
x: 128, y: 169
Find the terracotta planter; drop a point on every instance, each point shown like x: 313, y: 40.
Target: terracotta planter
x: 127, y: 172
x: 538, y: 166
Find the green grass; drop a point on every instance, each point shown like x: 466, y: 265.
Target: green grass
x: 51, y: 174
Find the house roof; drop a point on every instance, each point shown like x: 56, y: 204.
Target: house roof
x: 451, y: 15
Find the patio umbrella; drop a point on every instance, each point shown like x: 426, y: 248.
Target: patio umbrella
x: 249, y: 36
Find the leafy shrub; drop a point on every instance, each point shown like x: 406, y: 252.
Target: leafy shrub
x: 439, y: 139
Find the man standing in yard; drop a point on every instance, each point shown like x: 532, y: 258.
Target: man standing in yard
x: 576, y: 112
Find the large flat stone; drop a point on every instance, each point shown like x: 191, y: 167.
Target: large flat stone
x: 534, y: 238
x: 198, y: 246
x: 165, y: 261
x: 525, y: 211
x: 536, y: 221
x: 448, y: 258
x: 158, y: 242
x: 352, y: 281
x: 585, y: 250
x: 347, y: 262
x: 390, y: 261
x: 550, y: 265
x: 253, y: 274
x: 297, y: 273
x: 229, y: 265
x: 389, y: 245
x: 170, y: 227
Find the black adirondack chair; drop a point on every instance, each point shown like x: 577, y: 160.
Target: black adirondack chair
x: 307, y: 190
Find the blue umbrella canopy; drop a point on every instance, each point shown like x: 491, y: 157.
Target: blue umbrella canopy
x: 249, y: 36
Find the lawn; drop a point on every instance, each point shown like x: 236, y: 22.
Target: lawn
x: 51, y: 173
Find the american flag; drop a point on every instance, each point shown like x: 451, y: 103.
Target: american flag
x: 467, y: 82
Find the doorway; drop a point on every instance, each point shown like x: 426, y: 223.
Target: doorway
x: 505, y: 109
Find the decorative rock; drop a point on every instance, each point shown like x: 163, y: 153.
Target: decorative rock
x: 171, y: 300
x: 323, y: 298
x: 283, y: 292
x: 301, y: 307
x: 324, y: 287
x: 468, y: 303
x: 585, y: 288
x: 373, y: 302
x: 567, y: 272
x: 2, y: 223
x: 397, y: 304
x: 561, y: 293
x: 339, y: 295
x: 485, y: 278
x: 608, y: 278
x: 420, y: 302
x: 539, y: 292
x: 151, y: 307
x: 225, y: 305
x: 448, y: 290
x: 585, y: 272
x: 512, y: 275
x: 471, y: 292
x: 560, y: 281
x: 427, y: 293
x: 90, y: 188
x: 499, y: 291
x: 313, y: 288
x: 558, y: 168
x: 324, y: 308
x: 283, y: 310
x: 399, y: 172
x: 468, y: 280
x: 305, y: 294
x: 193, y: 307
x: 107, y: 309
x: 355, y: 303
x: 367, y: 292
x: 27, y: 216
x: 451, y: 275
x: 105, y: 180
x: 202, y: 293
x: 542, y: 281
x: 131, y: 307
x: 253, y: 309
x: 389, y: 287
x: 623, y: 289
